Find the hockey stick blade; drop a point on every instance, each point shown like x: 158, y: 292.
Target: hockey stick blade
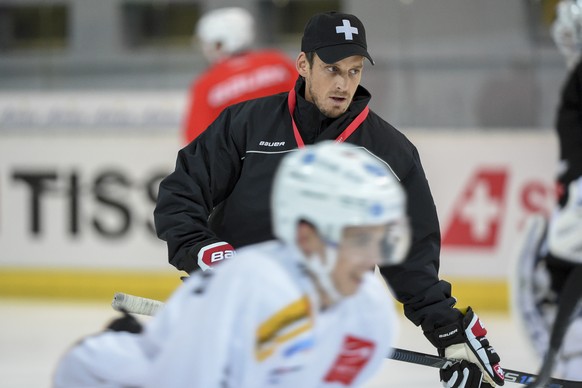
x: 512, y: 376
x: 567, y: 311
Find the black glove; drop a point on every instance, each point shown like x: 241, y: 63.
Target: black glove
x: 465, y: 340
x: 126, y: 323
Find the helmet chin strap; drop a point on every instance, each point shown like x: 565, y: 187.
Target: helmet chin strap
x: 321, y: 269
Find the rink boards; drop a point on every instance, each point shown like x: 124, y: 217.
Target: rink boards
x: 76, y: 209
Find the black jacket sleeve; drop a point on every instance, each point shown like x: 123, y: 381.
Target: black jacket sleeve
x: 569, y: 128
x: 427, y: 300
x: 205, y: 173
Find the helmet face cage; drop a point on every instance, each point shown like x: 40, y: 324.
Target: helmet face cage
x: 567, y: 29
x: 336, y: 185
x: 569, y: 12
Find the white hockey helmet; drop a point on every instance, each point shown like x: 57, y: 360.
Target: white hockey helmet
x: 231, y: 28
x: 567, y: 29
x: 336, y: 185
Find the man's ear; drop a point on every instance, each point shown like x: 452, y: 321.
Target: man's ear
x: 307, y: 238
x: 302, y: 65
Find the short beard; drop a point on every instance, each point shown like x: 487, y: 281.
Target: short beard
x: 321, y: 109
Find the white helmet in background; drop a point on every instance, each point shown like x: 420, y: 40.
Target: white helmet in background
x: 225, y: 31
x: 567, y: 30
x: 333, y: 186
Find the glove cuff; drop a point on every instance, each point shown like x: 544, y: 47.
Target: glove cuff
x: 212, y: 254
x: 451, y: 334
x: 446, y: 336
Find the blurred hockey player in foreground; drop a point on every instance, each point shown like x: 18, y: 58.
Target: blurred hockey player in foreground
x: 237, y: 72
x: 552, y: 248
x: 304, y: 310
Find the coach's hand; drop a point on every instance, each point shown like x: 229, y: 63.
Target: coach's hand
x: 465, y: 340
x: 213, y: 254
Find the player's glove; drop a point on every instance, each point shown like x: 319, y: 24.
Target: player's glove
x: 126, y: 323
x: 465, y: 340
x: 463, y: 374
x: 212, y: 254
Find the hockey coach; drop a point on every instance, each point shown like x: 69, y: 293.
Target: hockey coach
x: 217, y: 199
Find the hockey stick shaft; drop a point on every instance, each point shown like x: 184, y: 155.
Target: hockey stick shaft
x: 512, y: 376
x: 567, y: 310
x: 144, y: 306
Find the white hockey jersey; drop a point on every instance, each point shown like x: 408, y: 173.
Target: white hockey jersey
x: 255, y: 322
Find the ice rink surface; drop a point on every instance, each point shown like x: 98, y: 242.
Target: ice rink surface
x: 33, y: 335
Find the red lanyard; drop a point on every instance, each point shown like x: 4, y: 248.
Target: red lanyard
x: 292, y: 102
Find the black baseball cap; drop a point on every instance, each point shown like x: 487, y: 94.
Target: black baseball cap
x: 335, y: 36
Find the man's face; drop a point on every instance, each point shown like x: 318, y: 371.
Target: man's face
x: 331, y: 87
x: 359, y: 251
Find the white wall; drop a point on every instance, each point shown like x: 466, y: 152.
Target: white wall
x: 485, y: 186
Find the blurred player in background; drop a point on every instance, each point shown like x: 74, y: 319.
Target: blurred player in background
x: 216, y: 200
x: 303, y: 311
x: 236, y: 73
x: 553, y: 247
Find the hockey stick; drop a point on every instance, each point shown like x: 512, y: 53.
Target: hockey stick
x: 135, y: 304
x: 144, y: 306
x: 568, y: 308
x: 512, y: 376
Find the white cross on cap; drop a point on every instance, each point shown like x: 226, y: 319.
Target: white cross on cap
x: 346, y: 29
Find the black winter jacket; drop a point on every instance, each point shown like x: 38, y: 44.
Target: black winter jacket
x: 569, y: 128
x: 221, y: 185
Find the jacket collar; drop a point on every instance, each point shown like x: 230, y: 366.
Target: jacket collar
x: 314, y: 125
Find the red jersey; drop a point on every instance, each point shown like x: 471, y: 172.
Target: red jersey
x: 238, y: 78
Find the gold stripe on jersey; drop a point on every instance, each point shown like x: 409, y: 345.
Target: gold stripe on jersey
x: 283, y: 318
x: 272, y: 331
x: 266, y: 350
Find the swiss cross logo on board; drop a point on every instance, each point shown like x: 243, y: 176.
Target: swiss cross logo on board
x: 354, y: 355
x: 477, y: 215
